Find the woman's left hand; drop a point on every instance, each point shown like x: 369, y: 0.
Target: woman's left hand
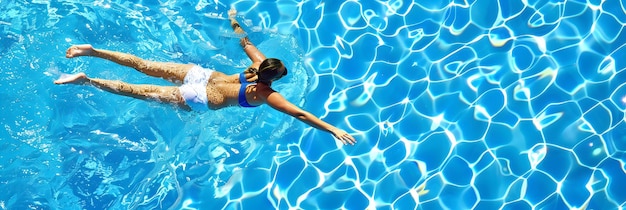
x: 344, y: 137
x: 232, y: 13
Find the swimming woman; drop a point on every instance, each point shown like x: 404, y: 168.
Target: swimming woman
x: 202, y: 89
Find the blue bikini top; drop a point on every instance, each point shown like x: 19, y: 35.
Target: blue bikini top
x: 242, y: 91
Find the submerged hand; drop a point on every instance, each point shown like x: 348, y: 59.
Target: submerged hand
x: 344, y: 137
x: 232, y: 13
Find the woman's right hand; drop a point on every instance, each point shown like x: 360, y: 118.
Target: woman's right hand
x: 343, y: 136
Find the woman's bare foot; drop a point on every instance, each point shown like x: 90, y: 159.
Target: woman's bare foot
x: 71, y: 79
x: 79, y: 50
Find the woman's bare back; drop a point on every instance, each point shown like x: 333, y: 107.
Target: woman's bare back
x: 223, y: 91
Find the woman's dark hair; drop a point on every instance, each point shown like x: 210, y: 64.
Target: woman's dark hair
x: 270, y: 69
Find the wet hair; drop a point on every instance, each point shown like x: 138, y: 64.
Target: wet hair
x: 269, y: 69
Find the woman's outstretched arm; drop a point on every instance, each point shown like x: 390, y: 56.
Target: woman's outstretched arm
x: 253, y: 53
x: 278, y: 102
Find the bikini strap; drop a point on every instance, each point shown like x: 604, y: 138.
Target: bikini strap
x: 242, y: 78
x: 242, y: 91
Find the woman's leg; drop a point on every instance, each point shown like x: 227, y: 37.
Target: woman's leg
x: 173, y: 72
x: 165, y: 94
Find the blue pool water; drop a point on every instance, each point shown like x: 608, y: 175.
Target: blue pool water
x: 455, y: 105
